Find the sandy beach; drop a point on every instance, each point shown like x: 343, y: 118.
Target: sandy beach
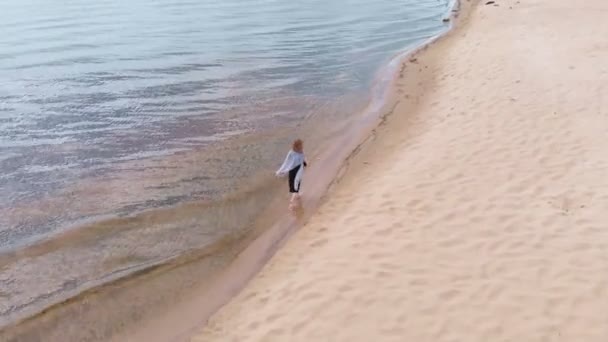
x: 478, y: 211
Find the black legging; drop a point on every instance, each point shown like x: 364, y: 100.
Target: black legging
x: 293, y: 187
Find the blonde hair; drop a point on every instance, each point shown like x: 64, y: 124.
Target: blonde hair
x: 298, y: 146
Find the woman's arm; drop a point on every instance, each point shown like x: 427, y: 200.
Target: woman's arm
x: 287, y: 164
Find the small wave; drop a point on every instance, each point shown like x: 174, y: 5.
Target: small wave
x: 116, y: 247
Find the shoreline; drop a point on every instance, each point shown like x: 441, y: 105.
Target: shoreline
x: 327, y: 276
x: 246, y: 265
x: 265, y: 241
x: 257, y: 254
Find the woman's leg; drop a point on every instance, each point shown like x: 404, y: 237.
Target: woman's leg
x: 294, y: 202
x: 293, y: 187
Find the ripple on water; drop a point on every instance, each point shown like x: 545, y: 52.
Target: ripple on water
x: 112, y: 108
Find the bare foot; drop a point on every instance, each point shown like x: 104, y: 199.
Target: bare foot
x: 295, y: 204
x: 296, y: 210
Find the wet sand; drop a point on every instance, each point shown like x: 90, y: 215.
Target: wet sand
x: 477, y: 211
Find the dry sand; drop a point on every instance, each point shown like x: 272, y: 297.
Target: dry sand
x: 480, y: 210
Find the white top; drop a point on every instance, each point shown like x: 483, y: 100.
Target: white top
x: 292, y: 160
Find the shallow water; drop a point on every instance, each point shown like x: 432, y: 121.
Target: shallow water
x: 136, y: 131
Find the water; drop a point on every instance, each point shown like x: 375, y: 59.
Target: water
x: 136, y: 131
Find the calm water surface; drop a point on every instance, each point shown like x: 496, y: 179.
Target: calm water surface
x: 109, y: 108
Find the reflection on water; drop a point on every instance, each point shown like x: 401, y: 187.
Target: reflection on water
x: 112, y: 110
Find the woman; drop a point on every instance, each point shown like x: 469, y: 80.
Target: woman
x: 293, y: 166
